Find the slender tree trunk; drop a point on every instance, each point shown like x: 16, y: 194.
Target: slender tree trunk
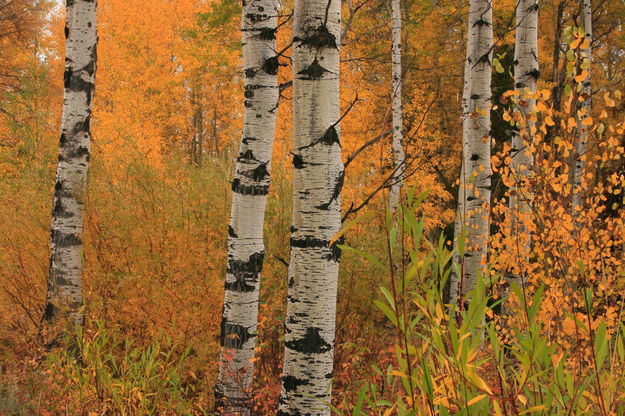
x: 459, y: 224
x: 249, y: 195
x: 526, y: 74
x: 557, y: 79
x: 317, y: 182
x: 474, y: 211
x: 65, y: 294
x: 396, y: 94
x: 584, y: 108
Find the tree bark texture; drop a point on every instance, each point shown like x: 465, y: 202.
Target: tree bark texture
x: 250, y: 187
x: 317, y: 182
x: 474, y: 210
x: 65, y: 284
x: 396, y: 94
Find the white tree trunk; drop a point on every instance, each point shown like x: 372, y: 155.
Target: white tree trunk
x: 249, y: 195
x: 396, y: 91
x: 582, y: 130
x: 526, y: 73
x: 317, y: 182
x: 459, y: 223
x: 65, y: 294
x: 476, y: 144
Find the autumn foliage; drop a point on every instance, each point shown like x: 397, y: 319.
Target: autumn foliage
x: 157, y: 215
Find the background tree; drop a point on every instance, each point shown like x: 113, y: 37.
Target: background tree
x: 396, y: 97
x: 582, y: 112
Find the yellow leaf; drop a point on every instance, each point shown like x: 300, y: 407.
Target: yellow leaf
x: 587, y: 121
x: 533, y: 409
x: 549, y: 121
x: 497, y: 409
x: 479, y: 383
x: 608, y: 101
x: 522, y: 399
x: 582, y: 76
x: 476, y: 399
x: 575, y: 43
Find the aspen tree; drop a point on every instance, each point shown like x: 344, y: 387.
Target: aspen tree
x: 317, y: 182
x: 475, y: 182
x: 583, y: 113
x: 396, y: 91
x: 250, y: 187
x: 65, y: 284
x: 526, y: 74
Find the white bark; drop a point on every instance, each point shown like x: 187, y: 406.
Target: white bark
x: 249, y: 195
x: 459, y: 223
x: 526, y: 73
x: 396, y: 90
x: 65, y: 294
x: 317, y: 182
x: 476, y: 181
x: 584, y: 107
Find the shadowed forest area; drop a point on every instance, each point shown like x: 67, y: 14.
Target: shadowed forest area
x: 312, y: 207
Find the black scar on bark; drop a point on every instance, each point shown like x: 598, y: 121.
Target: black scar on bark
x: 471, y: 198
x: 298, y: 162
x: 475, y: 96
x: 66, y: 31
x: 519, y: 85
x: 246, y: 157
x: 319, y: 38
x: 271, y: 65
x: 293, y: 228
x: 311, y: 343
x: 80, y: 151
x: 259, y: 173
x: 330, y: 137
x: 313, y: 71
x: 475, y: 157
x: 249, y: 190
x: 247, y: 140
x: 59, y: 211
x: 336, y: 191
x: 249, y: 93
x: 256, y: 17
x: 481, y: 22
x: 309, y: 242
x: 82, y: 127
x: 63, y: 240
x: 49, y: 312
x: 231, y: 232
x: 247, y: 104
x: 291, y: 383
x: 534, y: 73
x: 250, y: 73
x: 267, y: 33
x: 233, y: 336
x: 245, y: 271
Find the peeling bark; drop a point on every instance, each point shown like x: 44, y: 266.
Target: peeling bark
x: 65, y: 284
x: 249, y: 196
x: 317, y: 182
